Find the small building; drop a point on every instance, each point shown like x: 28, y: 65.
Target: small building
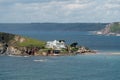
x: 56, y: 45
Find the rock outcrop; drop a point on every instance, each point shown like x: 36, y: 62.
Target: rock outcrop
x: 85, y: 50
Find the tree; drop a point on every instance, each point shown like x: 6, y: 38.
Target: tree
x: 74, y: 44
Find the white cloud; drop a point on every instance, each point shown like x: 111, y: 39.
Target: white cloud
x: 112, y: 6
x: 76, y: 6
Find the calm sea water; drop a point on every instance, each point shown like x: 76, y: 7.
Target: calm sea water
x: 103, y: 66
x: 81, y: 67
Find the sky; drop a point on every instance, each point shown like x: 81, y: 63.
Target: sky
x: 60, y: 11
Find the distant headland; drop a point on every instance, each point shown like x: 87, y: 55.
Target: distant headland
x: 110, y: 29
x: 12, y: 44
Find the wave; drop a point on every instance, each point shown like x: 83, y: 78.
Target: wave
x: 17, y: 56
x: 40, y: 60
x: 115, y: 53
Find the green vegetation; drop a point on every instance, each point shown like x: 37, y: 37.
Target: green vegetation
x: 64, y: 51
x: 6, y: 37
x: 74, y: 49
x: 115, y: 28
x: 32, y: 42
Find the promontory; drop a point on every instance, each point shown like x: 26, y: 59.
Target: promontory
x: 12, y: 44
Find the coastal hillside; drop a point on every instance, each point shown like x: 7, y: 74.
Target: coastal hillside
x: 17, y: 40
x: 111, y: 29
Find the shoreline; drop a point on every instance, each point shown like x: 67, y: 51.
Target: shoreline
x: 65, y: 54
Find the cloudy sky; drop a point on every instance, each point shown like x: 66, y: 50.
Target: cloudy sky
x: 65, y: 11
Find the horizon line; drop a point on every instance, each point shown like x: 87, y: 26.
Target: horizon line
x: 53, y: 22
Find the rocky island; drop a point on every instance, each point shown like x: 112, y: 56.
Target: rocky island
x: 110, y: 29
x: 11, y: 44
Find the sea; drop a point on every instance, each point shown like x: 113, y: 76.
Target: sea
x: 101, y: 66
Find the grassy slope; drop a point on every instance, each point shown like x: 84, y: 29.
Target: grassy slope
x: 115, y: 28
x: 32, y: 42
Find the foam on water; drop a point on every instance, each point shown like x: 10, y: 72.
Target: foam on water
x: 40, y: 60
x: 17, y: 56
